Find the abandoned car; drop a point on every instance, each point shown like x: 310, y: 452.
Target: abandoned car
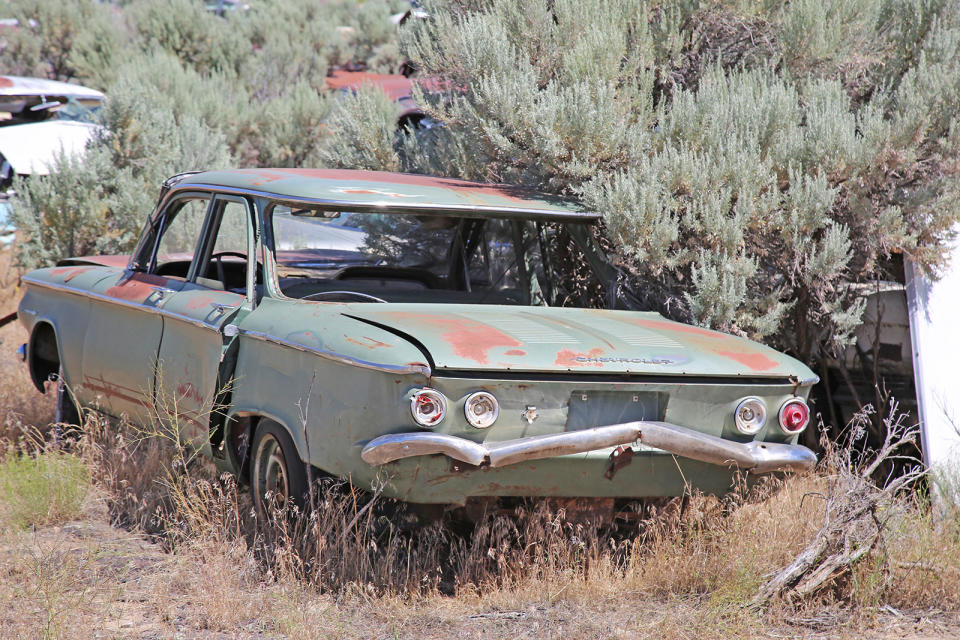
x: 428, y: 337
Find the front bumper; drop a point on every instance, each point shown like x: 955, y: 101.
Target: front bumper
x: 755, y: 457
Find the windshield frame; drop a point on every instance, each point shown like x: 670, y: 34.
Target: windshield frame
x: 273, y: 289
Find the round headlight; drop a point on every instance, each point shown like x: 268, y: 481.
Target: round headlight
x: 481, y: 409
x: 750, y: 416
x: 794, y: 416
x: 428, y: 407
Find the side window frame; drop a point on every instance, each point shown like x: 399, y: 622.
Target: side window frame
x: 204, y: 249
x: 158, y: 226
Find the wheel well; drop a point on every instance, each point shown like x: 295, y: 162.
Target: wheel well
x: 239, y: 439
x: 44, y: 355
x: 241, y: 428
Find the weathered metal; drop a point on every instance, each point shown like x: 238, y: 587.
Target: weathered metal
x: 216, y: 347
x: 752, y: 456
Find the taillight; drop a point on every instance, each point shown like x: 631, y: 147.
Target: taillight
x: 750, y: 416
x: 481, y: 409
x: 428, y: 407
x: 794, y: 416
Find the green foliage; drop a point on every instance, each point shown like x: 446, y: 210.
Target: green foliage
x: 195, y: 36
x: 97, y: 203
x: 60, y: 40
x: 366, y: 124
x: 752, y: 161
x: 41, y: 489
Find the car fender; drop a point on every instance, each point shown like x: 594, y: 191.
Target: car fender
x: 238, y: 411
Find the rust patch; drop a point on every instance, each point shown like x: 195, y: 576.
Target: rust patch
x: 470, y: 339
x: 568, y: 358
x: 115, y: 391
x: 368, y: 343
x: 755, y: 361
x: 197, y: 302
x: 516, y: 352
x: 186, y: 391
x: 5, y: 82
x: 510, y: 192
x: 70, y: 273
x: 138, y: 288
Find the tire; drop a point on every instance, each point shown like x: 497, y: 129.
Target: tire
x: 67, y: 422
x: 276, y: 469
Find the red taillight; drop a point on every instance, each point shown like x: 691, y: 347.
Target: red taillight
x: 794, y: 416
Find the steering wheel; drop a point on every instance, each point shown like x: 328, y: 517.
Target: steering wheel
x: 320, y: 295
x: 219, y: 256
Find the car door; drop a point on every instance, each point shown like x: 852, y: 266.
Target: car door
x: 126, y: 317
x: 195, y: 357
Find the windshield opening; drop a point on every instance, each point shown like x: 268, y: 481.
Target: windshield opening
x: 396, y: 257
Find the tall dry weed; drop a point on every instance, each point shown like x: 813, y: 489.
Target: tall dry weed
x: 352, y: 541
x: 22, y: 408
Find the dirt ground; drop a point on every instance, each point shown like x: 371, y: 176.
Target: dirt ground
x: 86, y: 579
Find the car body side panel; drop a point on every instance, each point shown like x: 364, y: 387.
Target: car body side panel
x: 121, y: 344
x: 58, y: 297
x: 298, y: 357
x: 188, y: 363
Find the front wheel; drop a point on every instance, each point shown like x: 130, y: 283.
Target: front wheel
x: 278, y: 477
x: 67, y: 423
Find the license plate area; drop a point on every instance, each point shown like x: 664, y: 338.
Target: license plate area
x: 589, y: 409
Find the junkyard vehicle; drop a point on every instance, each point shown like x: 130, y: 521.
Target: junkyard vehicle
x: 24, y: 100
x: 412, y: 333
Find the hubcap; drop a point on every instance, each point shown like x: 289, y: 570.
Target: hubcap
x: 272, y: 472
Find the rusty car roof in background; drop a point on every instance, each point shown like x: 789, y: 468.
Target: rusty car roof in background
x: 334, y: 189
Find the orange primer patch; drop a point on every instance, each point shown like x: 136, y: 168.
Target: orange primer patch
x: 70, y: 272
x: 369, y: 344
x: 568, y: 358
x: 469, y: 339
x: 755, y: 361
x: 138, y: 288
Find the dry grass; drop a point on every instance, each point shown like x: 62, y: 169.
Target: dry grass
x: 21, y: 407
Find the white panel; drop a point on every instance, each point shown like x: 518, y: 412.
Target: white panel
x: 934, y: 308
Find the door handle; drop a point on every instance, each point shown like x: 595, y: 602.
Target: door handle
x: 222, y: 308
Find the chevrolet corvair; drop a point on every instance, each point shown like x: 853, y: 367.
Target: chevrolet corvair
x: 430, y: 337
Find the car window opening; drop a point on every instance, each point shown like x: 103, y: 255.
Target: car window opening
x: 395, y: 257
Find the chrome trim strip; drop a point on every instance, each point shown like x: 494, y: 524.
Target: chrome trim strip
x: 756, y: 457
x: 339, y: 357
x: 123, y: 303
x: 381, y: 207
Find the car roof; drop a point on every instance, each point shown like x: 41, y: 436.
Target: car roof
x: 20, y: 86
x: 381, y: 191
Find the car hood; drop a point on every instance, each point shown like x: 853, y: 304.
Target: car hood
x: 542, y: 339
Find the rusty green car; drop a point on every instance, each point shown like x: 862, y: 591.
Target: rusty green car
x: 435, y: 339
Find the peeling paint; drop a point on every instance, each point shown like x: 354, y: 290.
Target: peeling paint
x: 755, y: 361
x: 568, y: 358
x: 138, y: 288
x: 370, y: 343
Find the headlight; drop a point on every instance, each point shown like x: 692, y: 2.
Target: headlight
x: 481, y: 409
x: 750, y: 416
x: 428, y: 407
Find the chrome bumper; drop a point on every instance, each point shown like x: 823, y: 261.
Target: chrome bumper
x: 756, y: 457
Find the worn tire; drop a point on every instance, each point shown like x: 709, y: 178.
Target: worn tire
x: 67, y: 424
x: 276, y: 467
